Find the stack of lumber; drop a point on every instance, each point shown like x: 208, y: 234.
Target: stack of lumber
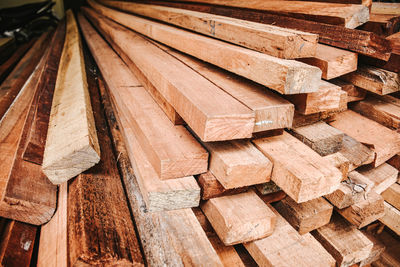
x: 225, y: 133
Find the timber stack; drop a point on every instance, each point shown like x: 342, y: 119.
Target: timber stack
x: 204, y: 133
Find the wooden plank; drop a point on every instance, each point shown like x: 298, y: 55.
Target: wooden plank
x: 298, y: 170
x: 391, y: 218
x: 294, y: 77
x: 384, y: 142
x: 321, y: 137
x: 366, y: 211
x: 354, y: 93
x: 386, y: 8
x: 172, y: 151
x: 339, y: 161
x: 268, y: 39
x: 100, y: 228
x: 227, y: 254
x: 211, y: 187
x: 357, y: 153
x: 377, y: 250
x: 343, y: 241
x: 382, y: 109
x: 382, y: 24
x: 238, y: 163
x: 37, y: 136
x: 210, y: 112
x: 391, y: 255
x: 395, y: 161
x: 12, y: 85
x: 376, y: 80
x: 239, y: 218
x: 382, y: 176
x: 306, y: 216
x: 392, y: 195
x: 333, y: 62
x: 171, y: 238
x: 286, y: 247
x: 347, y: 15
x: 271, y: 111
x: 17, y: 243
x: 53, y: 235
x: 71, y: 116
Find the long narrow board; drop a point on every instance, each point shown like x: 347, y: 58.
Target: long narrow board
x: 210, y: 112
x: 172, y: 150
x: 391, y: 218
x: 348, y: 15
x: 298, y: 170
x: 382, y: 176
x: 284, y: 76
x: 71, y: 145
x: 385, y: 142
x: 357, y: 153
x: 392, y: 195
x: 354, y: 93
x: 268, y: 39
x: 211, y: 187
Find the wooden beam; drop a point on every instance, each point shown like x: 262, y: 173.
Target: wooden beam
x: 354, y: 93
x: 294, y: 77
x: 167, y: 237
x: 171, y: 150
x: 357, y: 153
x: 321, y: 137
x: 391, y: 255
x: 382, y: 24
x: 341, y: 162
x: 391, y: 218
x: 71, y: 116
x: 271, y: 111
x: 35, y: 144
x: 210, y: 112
x: 238, y: 163
x: 268, y: 39
x: 382, y: 176
x: 376, y: 80
x: 392, y: 195
x: 306, y: 216
x: 376, y: 251
x: 54, y: 234
x: 343, y: 241
x: 333, y: 62
x: 287, y: 246
x: 211, y: 187
x: 385, y: 8
x: 239, y: 218
x: 297, y: 168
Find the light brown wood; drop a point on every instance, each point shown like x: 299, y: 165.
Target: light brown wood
x: 306, y: 216
x: 339, y: 161
x: 211, y: 113
x: 347, y: 15
x: 354, y: 93
x: 333, y: 62
x: 392, y: 195
x: 328, y: 97
x: 71, y: 145
x: 53, y: 235
x: 238, y: 163
x: 343, y: 241
x: 271, y: 111
x: 172, y: 150
x: 268, y: 39
x: 284, y: 76
x: 366, y: 211
x: 376, y: 251
x: 384, y: 142
x: 382, y: 176
x: 391, y: 218
x: 286, y: 247
x: 298, y: 170
x: 239, y: 218
x: 321, y: 137
x: 376, y: 80
x: 357, y: 153
x: 385, y: 8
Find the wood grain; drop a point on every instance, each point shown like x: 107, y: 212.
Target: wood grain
x: 339, y: 161
x: 392, y: 195
x: 391, y: 218
x: 382, y: 176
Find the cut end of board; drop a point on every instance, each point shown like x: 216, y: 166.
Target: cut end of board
x: 302, y: 78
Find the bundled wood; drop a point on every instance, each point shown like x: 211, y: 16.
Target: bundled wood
x: 35, y: 144
x: 211, y: 113
x: 307, y: 216
x: 392, y: 195
x: 384, y: 142
x: 211, y: 187
x: 297, y: 168
x: 286, y: 247
x: 321, y: 137
x: 53, y: 235
x: 71, y: 116
x: 343, y: 241
x: 376, y: 80
x: 239, y: 218
x: 382, y: 176
x: 391, y: 218
x: 294, y: 77
x: 341, y: 162
x: 333, y: 62
x: 268, y: 39
x: 11, y: 87
x: 362, y: 42
x: 98, y: 209
x: 354, y: 93
x: 167, y: 237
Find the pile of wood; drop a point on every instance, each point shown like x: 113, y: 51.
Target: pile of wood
x: 209, y: 132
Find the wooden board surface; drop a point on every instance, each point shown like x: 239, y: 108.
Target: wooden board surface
x: 391, y: 218
x: 354, y: 93
x: 357, y: 153
x: 382, y: 176
x: 392, y: 195
x: 339, y: 161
